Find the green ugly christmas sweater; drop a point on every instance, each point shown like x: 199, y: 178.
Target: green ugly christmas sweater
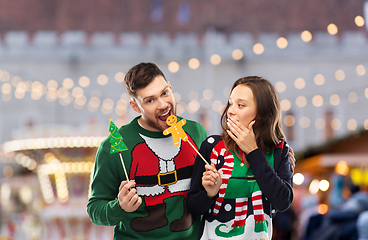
x: 162, y: 173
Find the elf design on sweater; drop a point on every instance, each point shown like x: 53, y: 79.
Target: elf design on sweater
x: 238, y: 177
x: 240, y: 210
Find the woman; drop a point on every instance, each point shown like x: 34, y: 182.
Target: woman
x: 250, y: 176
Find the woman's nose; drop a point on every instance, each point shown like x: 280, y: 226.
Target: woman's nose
x: 230, y: 111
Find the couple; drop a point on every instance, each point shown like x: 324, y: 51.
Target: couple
x: 248, y: 178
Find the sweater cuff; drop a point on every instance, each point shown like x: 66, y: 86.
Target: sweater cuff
x: 116, y: 210
x: 212, y: 199
x: 255, y: 157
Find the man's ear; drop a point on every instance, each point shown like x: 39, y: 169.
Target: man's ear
x: 134, y: 105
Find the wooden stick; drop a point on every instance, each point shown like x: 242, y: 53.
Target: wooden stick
x: 198, y: 152
x: 122, y: 162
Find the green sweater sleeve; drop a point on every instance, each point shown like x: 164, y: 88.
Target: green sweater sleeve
x: 103, y: 206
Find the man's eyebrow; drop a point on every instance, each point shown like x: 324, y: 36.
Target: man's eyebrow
x: 152, y: 96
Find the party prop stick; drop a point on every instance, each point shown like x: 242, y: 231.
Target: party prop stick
x: 117, y: 144
x: 122, y: 162
x: 177, y: 132
x: 198, y: 153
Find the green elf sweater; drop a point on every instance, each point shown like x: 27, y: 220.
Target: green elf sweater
x: 162, y: 172
x: 248, y: 197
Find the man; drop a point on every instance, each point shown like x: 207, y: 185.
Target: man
x: 151, y: 203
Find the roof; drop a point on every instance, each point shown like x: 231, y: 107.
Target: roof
x: 352, y: 149
x: 176, y: 16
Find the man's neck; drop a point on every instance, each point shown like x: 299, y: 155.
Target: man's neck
x: 143, y: 124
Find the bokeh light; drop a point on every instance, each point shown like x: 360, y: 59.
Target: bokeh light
x: 6, y: 88
x: 360, y: 70
x: 84, y: 81
x: 68, y: 83
x: 237, y: 54
x: 285, y: 105
x: 306, y: 36
x: 299, y: 83
x: 332, y: 29
x: 314, y: 186
x: 322, y: 208
x: 77, y: 92
x: 282, y: 43
x: 193, y: 106
x: 352, y: 124
x: 193, y: 63
x: 324, y: 185
x: 342, y: 168
x: 119, y: 77
x: 359, y: 21
x: 52, y: 85
x: 353, y: 97
x: 215, y: 59
x: 280, y: 86
x: 336, y: 124
x: 304, y: 122
x: 258, y: 48
x: 289, y: 120
x: 317, y: 100
x: 319, y: 79
x: 301, y: 101
x: 335, y: 99
x: 207, y: 94
x: 102, y: 79
x: 340, y: 75
x: 298, y: 178
x: 173, y: 67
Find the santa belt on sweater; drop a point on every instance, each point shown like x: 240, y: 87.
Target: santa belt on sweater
x: 167, y: 178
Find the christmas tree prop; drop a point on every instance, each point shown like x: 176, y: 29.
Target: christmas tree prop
x: 177, y: 132
x: 117, y: 144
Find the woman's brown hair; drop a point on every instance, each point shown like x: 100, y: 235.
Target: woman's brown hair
x: 267, y: 126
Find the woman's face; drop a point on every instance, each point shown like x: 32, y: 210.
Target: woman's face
x: 242, y: 105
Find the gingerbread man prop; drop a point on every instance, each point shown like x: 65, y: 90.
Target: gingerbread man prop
x: 177, y: 132
x: 176, y: 129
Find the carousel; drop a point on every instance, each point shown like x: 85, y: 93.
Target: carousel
x: 59, y: 161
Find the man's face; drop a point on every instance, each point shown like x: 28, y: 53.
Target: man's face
x: 155, y: 103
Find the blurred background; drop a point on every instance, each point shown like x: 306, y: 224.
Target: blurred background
x: 62, y: 65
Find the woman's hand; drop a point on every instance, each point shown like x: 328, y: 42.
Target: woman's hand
x: 211, y: 180
x: 243, y: 136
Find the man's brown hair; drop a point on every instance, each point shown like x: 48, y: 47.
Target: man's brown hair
x: 140, y: 76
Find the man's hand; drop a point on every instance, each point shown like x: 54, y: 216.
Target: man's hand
x: 128, y: 198
x: 211, y: 180
x: 292, y: 157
